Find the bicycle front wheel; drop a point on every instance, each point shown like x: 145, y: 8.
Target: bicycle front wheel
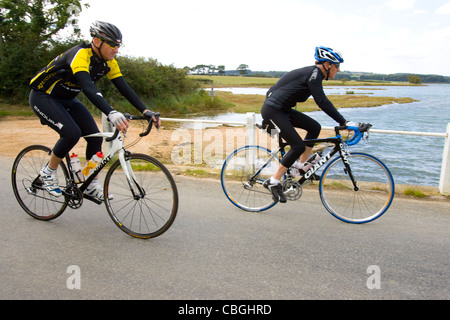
x: 145, y: 206
x: 243, y: 174
x: 366, y: 202
x: 28, y: 186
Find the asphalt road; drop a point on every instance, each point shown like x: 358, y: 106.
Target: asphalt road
x: 216, y: 251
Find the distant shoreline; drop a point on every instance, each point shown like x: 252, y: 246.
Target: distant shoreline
x: 263, y: 82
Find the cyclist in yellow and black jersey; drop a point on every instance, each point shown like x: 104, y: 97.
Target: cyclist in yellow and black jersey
x: 60, y: 78
x: 55, y: 88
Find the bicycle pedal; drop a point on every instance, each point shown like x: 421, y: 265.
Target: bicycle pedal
x: 93, y: 199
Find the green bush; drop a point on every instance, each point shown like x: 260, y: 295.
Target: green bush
x: 162, y: 88
x: 29, y: 41
x: 150, y: 79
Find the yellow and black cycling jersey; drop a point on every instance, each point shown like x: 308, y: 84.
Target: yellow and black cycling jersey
x: 58, y: 77
x: 77, y: 70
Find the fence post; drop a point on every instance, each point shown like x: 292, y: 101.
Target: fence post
x: 107, y: 127
x: 444, y: 184
x: 250, y: 134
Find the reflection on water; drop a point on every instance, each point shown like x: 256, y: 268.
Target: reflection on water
x: 412, y: 159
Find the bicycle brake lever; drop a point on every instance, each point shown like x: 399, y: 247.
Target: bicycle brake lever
x: 366, y: 136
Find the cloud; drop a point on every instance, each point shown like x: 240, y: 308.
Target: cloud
x: 417, y: 12
x: 400, y: 4
x: 385, y: 36
x: 445, y: 9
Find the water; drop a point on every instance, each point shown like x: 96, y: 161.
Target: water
x: 413, y: 160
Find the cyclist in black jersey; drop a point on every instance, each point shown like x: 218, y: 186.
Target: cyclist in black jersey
x: 54, y: 93
x: 297, y: 86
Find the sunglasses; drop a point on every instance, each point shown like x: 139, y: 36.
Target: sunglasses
x: 112, y: 44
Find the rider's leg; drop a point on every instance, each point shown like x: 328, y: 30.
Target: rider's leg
x: 54, y: 161
x: 305, y: 155
x: 52, y: 112
x: 278, y: 175
x: 281, y: 118
x: 87, y: 125
x: 312, y: 127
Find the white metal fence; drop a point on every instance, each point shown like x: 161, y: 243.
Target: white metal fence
x: 444, y: 182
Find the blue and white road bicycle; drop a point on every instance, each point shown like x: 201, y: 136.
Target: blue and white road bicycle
x: 354, y: 187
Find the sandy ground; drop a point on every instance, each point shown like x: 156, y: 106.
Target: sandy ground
x: 20, y: 132
x: 171, y: 145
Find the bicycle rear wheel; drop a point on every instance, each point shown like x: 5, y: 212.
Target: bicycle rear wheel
x: 151, y: 208
x: 28, y: 187
x: 371, y: 199
x: 241, y: 186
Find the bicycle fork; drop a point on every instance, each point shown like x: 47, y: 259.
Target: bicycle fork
x: 344, y: 154
x: 136, y: 190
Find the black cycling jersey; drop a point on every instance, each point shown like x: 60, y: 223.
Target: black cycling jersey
x: 297, y: 86
x: 77, y: 70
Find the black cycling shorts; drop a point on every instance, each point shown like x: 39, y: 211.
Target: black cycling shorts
x: 70, y: 118
x: 287, y: 121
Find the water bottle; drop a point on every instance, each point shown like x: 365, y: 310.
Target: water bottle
x: 76, y: 168
x: 91, y: 164
x: 311, y: 161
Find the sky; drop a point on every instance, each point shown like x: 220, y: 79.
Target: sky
x: 379, y: 36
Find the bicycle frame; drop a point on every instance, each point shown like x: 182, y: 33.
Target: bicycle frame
x: 117, y: 147
x: 340, y: 146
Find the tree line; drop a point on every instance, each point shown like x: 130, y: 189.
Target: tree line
x: 244, y: 70
x: 29, y: 40
x: 210, y: 69
x: 396, y: 77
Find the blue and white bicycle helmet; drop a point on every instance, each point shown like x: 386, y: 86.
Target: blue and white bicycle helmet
x: 324, y: 54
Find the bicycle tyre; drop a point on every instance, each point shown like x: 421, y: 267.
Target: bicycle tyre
x: 141, y: 217
x: 27, y: 187
x: 370, y: 201
x: 239, y: 166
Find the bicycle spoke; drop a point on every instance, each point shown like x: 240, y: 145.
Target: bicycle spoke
x: 239, y: 167
x: 150, y: 213
x: 371, y: 200
x: 35, y: 200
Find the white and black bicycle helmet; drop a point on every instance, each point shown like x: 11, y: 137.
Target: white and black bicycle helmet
x: 107, y: 32
x: 324, y: 54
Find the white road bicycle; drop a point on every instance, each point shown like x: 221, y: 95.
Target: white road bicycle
x: 145, y: 197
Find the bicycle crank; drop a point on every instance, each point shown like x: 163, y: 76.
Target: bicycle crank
x: 292, y: 190
x: 74, y: 197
